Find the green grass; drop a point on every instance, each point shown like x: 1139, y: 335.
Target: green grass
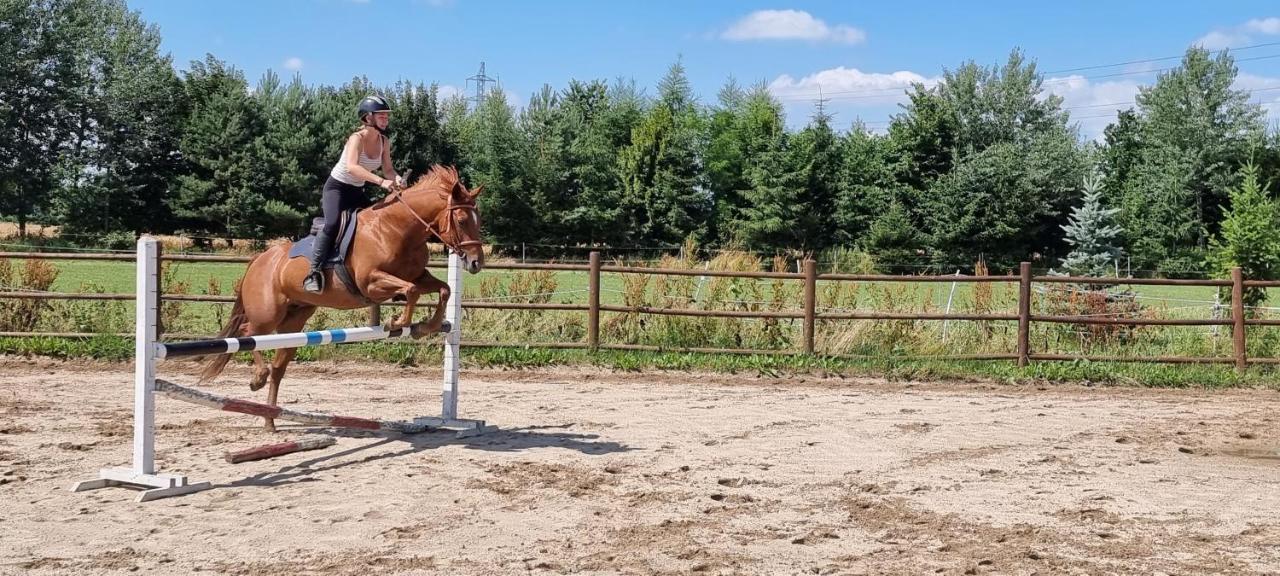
x: 118, y: 277
x: 890, y: 341
x: 121, y: 349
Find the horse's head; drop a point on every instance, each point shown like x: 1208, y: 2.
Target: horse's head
x: 448, y: 209
x: 465, y: 226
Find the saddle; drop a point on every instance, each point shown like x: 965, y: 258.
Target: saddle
x: 341, y: 249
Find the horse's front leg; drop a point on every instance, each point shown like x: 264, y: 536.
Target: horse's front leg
x: 383, y: 285
x: 427, y: 283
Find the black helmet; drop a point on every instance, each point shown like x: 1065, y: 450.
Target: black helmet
x: 371, y: 104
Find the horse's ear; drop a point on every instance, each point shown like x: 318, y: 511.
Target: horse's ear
x: 476, y: 193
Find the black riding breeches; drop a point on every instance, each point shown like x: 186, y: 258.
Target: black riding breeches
x: 336, y: 197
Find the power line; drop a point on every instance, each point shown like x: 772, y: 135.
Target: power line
x: 1149, y: 60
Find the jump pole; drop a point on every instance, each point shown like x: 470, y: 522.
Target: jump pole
x: 147, y: 350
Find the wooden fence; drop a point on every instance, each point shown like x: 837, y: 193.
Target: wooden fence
x: 808, y: 312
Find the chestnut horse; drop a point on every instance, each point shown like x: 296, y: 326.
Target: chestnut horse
x: 388, y: 258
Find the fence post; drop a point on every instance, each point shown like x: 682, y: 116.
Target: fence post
x: 1237, y: 318
x: 593, y: 298
x: 810, y: 303
x: 375, y: 315
x: 1024, y: 314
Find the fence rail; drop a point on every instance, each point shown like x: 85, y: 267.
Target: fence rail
x: 808, y: 312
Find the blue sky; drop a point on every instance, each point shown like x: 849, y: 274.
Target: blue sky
x: 859, y: 54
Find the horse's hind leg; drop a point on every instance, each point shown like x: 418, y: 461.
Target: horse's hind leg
x: 264, y: 307
x: 294, y: 321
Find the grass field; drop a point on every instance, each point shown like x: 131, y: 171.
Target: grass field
x: 872, y: 338
x: 118, y: 277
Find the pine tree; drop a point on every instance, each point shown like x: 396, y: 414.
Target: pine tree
x: 495, y: 158
x: 222, y: 192
x: 1250, y: 236
x: 663, y: 200
x: 289, y: 153
x: 1092, y: 233
x: 1178, y: 160
x: 541, y: 125
x: 748, y: 159
x: 595, y: 123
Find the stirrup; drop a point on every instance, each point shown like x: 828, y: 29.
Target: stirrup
x: 314, y: 282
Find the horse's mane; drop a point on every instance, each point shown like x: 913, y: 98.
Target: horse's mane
x: 446, y: 177
x: 443, y: 178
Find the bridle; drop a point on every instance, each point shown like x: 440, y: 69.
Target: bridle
x: 451, y: 227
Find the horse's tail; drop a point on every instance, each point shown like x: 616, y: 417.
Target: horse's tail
x: 234, y: 325
x: 219, y: 361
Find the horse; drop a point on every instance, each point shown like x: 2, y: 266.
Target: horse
x: 388, y: 258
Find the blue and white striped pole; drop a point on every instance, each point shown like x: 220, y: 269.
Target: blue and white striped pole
x: 277, y: 341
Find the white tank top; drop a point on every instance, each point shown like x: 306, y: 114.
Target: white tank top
x: 341, y: 174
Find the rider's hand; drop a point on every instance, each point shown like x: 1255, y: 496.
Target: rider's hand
x: 389, y: 185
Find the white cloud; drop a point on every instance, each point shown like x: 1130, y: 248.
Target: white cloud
x: 790, y: 25
x: 293, y: 63
x: 873, y: 96
x: 1217, y: 40
x: 1269, y: 26
x: 1242, y: 35
x: 1092, y: 105
x: 447, y: 91
x: 848, y: 84
x: 1266, y: 93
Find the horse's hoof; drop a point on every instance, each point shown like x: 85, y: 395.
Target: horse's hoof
x: 422, y: 329
x: 257, y: 385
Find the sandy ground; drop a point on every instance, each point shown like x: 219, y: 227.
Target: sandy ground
x: 655, y: 473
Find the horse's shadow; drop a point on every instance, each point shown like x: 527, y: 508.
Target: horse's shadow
x: 499, y: 440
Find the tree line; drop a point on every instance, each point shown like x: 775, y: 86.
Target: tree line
x: 102, y: 135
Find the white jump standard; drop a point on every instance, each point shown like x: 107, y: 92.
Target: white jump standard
x: 147, y: 351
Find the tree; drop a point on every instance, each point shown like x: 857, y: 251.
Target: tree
x: 1092, y: 234
x: 543, y: 132
x: 597, y: 123
x: 1249, y: 236
x: 1003, y: 204
x: 222, y: 192
x: 772, y: 212
x: 1193, y: 130
x: 1157, y: 212
x: 417, y: 129
x: 494, y: 153
x: 990, y: 162
x: 893, y: 238
x: 289, y: 154
x: 663, y: 200
x: 868, y: 189
x: 125, y: 112
x: 41, y: 93
x: 815, y: 156
x: 1121, y: 151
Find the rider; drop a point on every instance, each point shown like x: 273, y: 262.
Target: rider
x: 366, y: 150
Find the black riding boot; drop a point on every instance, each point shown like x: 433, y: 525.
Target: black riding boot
x: 315, y: 280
